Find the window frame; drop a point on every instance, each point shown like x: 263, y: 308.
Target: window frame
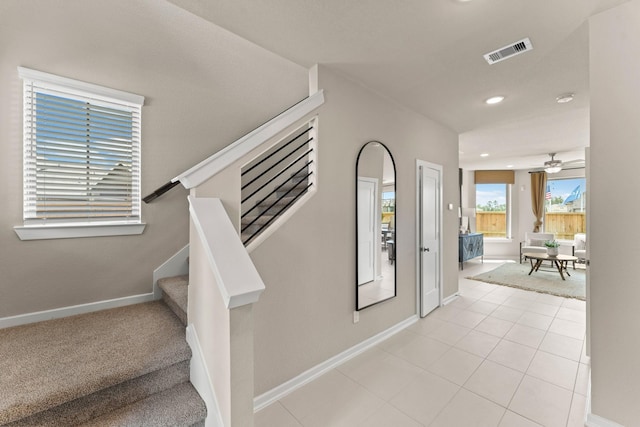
x: 41, y: 228
x: 508, y: 210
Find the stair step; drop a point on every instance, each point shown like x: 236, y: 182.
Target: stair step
x: 104, y: 401
x: 179, y: 406
x: 50, y: 363
x: 176, y: 294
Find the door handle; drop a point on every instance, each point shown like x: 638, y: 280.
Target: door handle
x: 425, y: 249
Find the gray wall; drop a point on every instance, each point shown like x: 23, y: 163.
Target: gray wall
x: 309, y: 266
x: 204, y: 88
x: 614, y: 203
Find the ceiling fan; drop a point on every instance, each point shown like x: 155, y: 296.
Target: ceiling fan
x: 555, y: 166
x: 552, y: 166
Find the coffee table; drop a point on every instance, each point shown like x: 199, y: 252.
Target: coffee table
x: 560, y: 261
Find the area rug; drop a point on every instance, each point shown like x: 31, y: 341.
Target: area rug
x: 545, y: 281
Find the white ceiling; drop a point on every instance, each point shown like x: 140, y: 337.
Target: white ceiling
x: 427, y: 55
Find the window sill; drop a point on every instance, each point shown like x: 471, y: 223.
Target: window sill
x: 497, y: 240
x: 73, y: 231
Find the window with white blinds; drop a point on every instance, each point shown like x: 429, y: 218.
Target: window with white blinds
x: 81, y: 152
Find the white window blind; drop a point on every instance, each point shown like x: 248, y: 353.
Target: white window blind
x: 81, y: 152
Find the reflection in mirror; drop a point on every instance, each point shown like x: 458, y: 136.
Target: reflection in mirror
x: 375, y: 225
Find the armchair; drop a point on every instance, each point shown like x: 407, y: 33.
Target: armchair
x: 534, y: 242
x: 579, y: 248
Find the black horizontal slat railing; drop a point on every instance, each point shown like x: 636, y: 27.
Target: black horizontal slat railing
x: 277, y: 151
x: 267, y: 195
x: 279, y: 212
x: 275, y: 190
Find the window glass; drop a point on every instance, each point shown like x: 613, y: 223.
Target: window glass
x: 565, y: 207
x: 492, y: 210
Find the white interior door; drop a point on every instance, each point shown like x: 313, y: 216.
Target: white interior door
x: 429, y: 237
x: 367, y: 195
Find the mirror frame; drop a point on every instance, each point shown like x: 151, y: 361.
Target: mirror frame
x: 395, y: 262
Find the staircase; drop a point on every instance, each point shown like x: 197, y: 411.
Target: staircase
x: 127, y: 366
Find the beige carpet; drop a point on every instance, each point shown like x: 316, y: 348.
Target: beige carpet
x: 46, y: 364
x: 545, y: 280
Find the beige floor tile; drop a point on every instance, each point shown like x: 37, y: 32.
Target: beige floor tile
x: 568, y: 328
x: 319, y: 393
x: 494, y: 326
x: 383, y: 374
x: 577, y: 316
x: 512, y: 355
x: 542, y: 402
x: 494, y: 382
x: 447, y: 312
x: 511, y: 419
x: 478, y: 343
x: 577, y: 412
x: 561, y: 345
x: 426, y: 325
x: 422, y: 351
x: 534, y: 320
x: 526, y: 335
x: 483, y: 307
x: 582, y: 380
x: 554, y: 369
x: 275, y: 415
x: 519, y: 303
x: 387, y: 416
x: 468, y: 319
x: 425, y: 397
x: 475, y: 293
x: 398, y: 341
x: 495, y: 298
x: 456, y: 366
x: 575, y: 304
x: 462, y: 302
x: 545, y: 309
x: 550, y: 299
x: 508, y: 313
x: 344, y: 410
x: 449, y: 333
x: 469, y: 409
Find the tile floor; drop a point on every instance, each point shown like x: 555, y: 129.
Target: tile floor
x: 496, y: 356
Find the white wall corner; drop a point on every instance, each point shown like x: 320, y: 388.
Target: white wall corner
x: 177, y: 265
x: 201, y: 380
x: 313, y: 79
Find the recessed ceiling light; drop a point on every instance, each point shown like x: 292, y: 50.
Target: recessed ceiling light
x: 509, y: 166
x: 484, y: 155
x: 564, y: 98
x: 494, y: 100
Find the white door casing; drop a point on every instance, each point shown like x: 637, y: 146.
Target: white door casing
x: 429, y: 227
x: 367, y: 202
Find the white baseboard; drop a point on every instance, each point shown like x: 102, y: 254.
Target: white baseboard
x: 177, y: 265
x: 273, y: 395
x: 450, y: 298
x: 597, y: 421
x: 199, y: 376
x: 57, y: 313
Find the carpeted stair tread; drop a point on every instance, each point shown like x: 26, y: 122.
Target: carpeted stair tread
x: 175, y: 294
x: 96, y: 404
x: 176, y: 407
x: 50, y: 363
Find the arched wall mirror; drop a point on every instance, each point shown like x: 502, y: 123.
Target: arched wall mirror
x: 375, y: 225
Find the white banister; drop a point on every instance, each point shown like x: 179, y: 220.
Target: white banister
x: 230, y: 154
x: 237, y: 278
x: 223, y: 285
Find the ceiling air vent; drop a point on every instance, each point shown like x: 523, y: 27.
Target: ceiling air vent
x: 508, y: 51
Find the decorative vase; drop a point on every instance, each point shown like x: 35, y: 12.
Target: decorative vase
x: 552, y: 251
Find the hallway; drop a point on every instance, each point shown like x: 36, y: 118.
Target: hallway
x: 495, y: 356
